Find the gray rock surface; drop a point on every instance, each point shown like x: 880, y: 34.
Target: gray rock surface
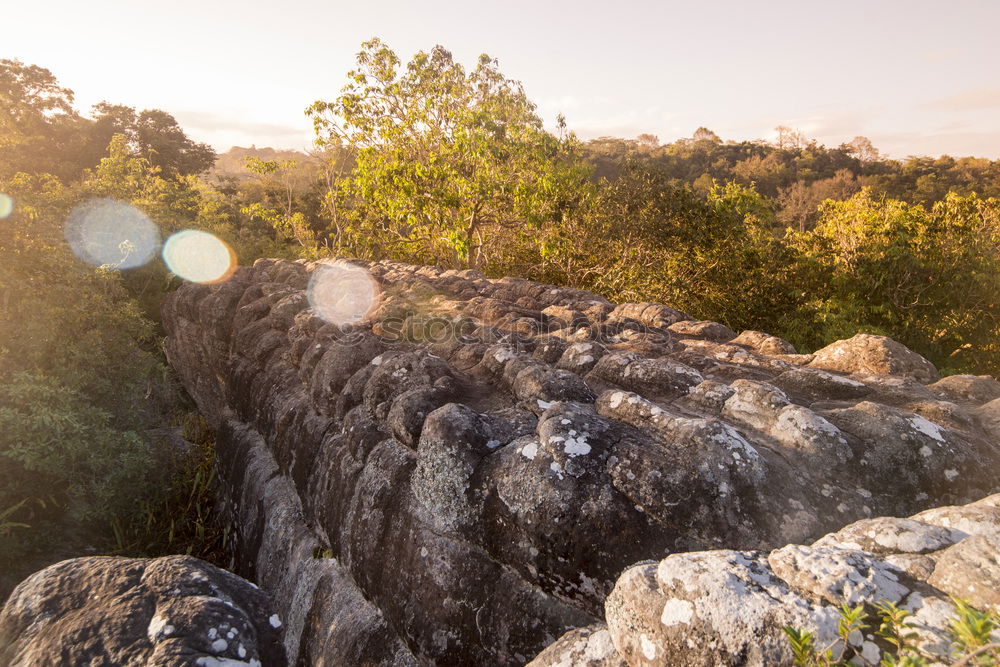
x: 865, y: 354
x: 728, y: 607
x: 469, y: 464
x: 168, y: 611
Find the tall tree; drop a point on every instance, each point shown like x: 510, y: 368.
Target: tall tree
x: 444, y: 155
x: 151, y: 134
x: 39, y: 130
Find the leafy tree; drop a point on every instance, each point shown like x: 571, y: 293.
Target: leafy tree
x: 863, y: 149
x: 39, y: 129
x: 151, y: 134
x: 929, y: 278
x: 790, y: 138
x: 82, y: 379
x: 799, y: 203
x: 445, y: 156
x: 279, y: 211
x: 705, y: 134
x: 642, y: 238
x: 648, y: 140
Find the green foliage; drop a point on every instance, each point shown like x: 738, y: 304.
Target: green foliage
x: 82, y: 378
x: 151, y: 134
x: 39, y: 129
x: 61, y: 318
x: 180, y: 517
x: 41, y: 132
x: 444, y: 158
x: 804, y: 647
x: 893, y: 630
x: 970, y: 629
x: 803, y: 643
x: 972, y: 633
x: 929, y: 278
x: 6, y: 525
x: 278, y: 181
x: 429, y: 161
x: 799, y: 173
x: 53, y: 441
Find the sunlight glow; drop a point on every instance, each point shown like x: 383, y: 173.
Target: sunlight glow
x: 199, y: 257
x: 105, y: 232
x: 6, y: 205
x: 342, y: 293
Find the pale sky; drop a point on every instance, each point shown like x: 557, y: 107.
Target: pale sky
x: 917, y: 77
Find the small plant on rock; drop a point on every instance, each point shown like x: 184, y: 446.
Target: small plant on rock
x: 971, y: 631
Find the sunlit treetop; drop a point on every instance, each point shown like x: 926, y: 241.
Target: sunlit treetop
x: 443, y: 153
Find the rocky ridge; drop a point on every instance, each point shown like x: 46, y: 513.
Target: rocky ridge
x: 460, y: 472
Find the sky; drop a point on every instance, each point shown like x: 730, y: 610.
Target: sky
x: 917, y: 77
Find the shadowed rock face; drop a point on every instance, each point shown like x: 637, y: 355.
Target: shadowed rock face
x: 728, y: 607
x: 461, y: 475
x: 169, y: 611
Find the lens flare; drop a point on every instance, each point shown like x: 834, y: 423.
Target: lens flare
x: 199, y: 257
x: 105, y: 232
x: 342, y: 293
x: 6, y: 205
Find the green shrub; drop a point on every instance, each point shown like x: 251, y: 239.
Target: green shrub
x: 970, y: 631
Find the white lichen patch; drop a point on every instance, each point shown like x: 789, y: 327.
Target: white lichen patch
x: 158, y: 627
x: 600, y: 647
x: 576, y: 445
x: 648, y: 647
x: 803, y: 429
x: 927, y: 427
x: 212, y: 661
x: 676, y: 612
x: 529, y: 450
x: 274, y: 621
x: 503, y: 355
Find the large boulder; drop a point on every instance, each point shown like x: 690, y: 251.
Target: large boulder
x: 175, y: 610
x: 866, y: 354
x: 729, y: 607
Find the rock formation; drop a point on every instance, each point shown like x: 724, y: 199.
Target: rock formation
x: 433, y: 466
x: 728, y: 607
x: 163, y: 612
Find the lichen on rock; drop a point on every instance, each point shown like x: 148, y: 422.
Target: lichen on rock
x: 480, y: 460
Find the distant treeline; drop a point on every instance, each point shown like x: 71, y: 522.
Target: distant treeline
x: 796, y: 173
